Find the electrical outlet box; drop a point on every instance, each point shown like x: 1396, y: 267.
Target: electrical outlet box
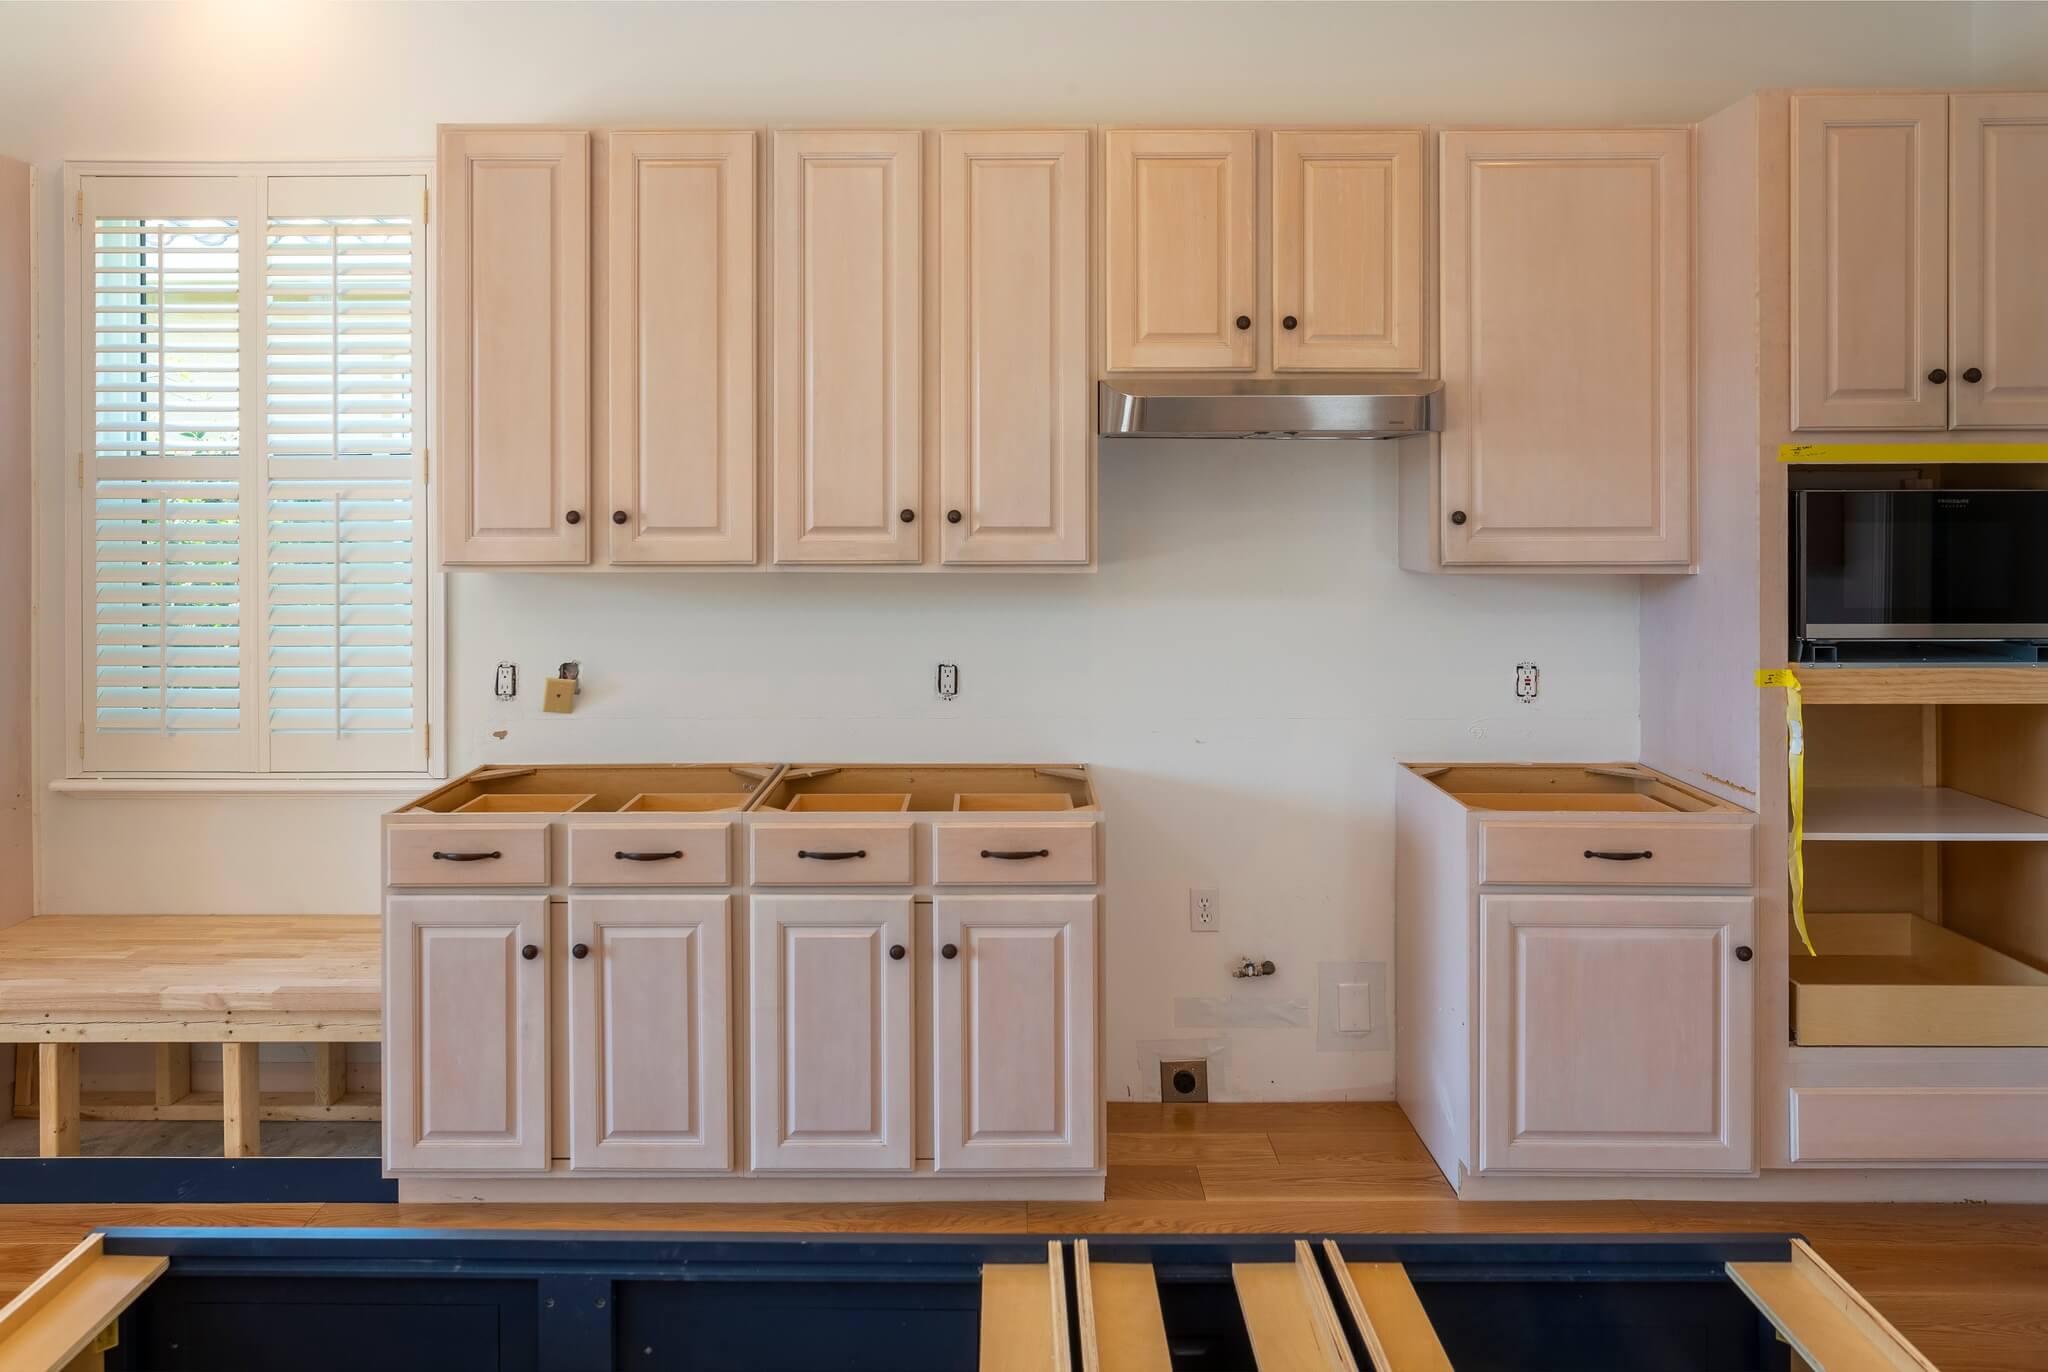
x: 949, y: 681
x: 508, y: 680
x: 1525, y: 682
x: 560, y: 698
x: 1185, y: 1082
x: 1205, y: 912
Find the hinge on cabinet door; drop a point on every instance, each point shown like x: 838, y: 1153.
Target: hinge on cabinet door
x: 426, y: 207
x: 81, y: 738
x: 427, y: 465
x: 430, y: 740
x: 80, y: 221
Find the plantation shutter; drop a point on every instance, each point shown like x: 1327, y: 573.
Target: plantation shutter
x: 168, y: 674
x: 344, y: 559
x: 255, y: 565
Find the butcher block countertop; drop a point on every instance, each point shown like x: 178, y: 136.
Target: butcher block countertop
x: 191, y: 978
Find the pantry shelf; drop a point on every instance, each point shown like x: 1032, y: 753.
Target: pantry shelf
x: 1907, y: 814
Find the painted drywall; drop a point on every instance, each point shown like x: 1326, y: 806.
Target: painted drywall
x: 1248, y: 662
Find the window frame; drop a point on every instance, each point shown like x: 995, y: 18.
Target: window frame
x: 75, y: 775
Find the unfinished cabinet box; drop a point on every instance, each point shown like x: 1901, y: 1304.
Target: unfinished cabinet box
x: 734, y: 982
x: 1575, y: 971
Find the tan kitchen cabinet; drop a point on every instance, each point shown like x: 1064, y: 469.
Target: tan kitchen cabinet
x: 1341, y: 230
x: 1016, y: 433
x: 847, y: 439
x: 681, y: 406
x: 1567, y: 268
x: 514, y: 322
x: 1918, y: 261
x: 1576, y: 978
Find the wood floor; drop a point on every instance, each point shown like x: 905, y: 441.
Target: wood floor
x: 1967, y: 1283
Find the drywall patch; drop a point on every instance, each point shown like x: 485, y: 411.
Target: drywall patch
x: 1349, y: 994
x: 1242, y: 1012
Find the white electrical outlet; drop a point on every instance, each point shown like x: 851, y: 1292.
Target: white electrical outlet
x: 1525, y: 682
x: 949, y: 681
x: 1205, y: 912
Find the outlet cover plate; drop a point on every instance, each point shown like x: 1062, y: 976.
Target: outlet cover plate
x: 1198, y: 1068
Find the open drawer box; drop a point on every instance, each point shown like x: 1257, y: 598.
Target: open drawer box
x: 1896, y: 980
x: 809, y: 788
x: 619, y: 788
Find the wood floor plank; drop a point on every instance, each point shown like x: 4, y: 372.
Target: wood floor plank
x: 1191, y: 1147
x: 1333, y: 1180
x: 996, y: 1217
x: 1017, y: 1333
x: 1122, y: 1329
x: 1286, y: 1331
x: 1255, y: 1117
x: 1397, y: 1330
x: 1148, y: 1181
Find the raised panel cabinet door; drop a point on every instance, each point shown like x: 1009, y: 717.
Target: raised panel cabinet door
x: 465, y: 1033
x: 681, y: 273
x: 1014, y: 1028
x: 1616, y: 1033
x: 514, y: 473
x: 848, y: 347
x: 1016, y: 426
x: 1998, y: 278
x: 1870, y: 262
x: 829, y: 980
x: 649, y: 1080
x: 1567, y: 349
x: 1347, y: 251
x: 1182, y: 249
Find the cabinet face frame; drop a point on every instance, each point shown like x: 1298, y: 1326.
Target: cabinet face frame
x: 852, y: 292
x: 1539, y: 399
x: 1887, y: 206
x: 475, y: 1038
x: 649, y: 958
x: 1617, y: 1013
x: 1148, y: 235
x: 1323, y: 272
x: 1014, y: 1032
x: 681, y: 317
x: 1998, y: 270
x: 514, y: 421
x: 821, y: 985
x: 1016, y: 421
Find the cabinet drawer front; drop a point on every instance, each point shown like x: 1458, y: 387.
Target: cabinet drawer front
x: 832, y: 854
x: 650, y: 854
x: 1703, y: 854
x: 467, y: 854
x: 1928, y: 1124
x: 1026, y: 854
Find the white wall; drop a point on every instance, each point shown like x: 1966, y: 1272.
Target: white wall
x: 1249, y: 661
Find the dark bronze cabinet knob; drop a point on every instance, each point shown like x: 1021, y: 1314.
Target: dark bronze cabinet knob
x: 1289, y: 322
x: 581, y: 950
x: 574, y: 516
x: 618, y: 516
x: 907, y: 516
x: 530, y: 952
x: 1744, y: 953
x: 1457, y: 516
x: 1937, y: 376
x: 1244, y: 321
x: 952, y: 516
x: 896, y: 952
x: 1973, y: 375
x: 950, y: 951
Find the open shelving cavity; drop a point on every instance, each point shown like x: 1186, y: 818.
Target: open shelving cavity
x: 1926, y: 873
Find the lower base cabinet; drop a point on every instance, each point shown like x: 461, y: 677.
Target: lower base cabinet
x: 1013, y: 1023
x: 649, y: 1053
x: 1615, y: 1033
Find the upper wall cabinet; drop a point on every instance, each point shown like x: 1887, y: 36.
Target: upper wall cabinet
x: 1016, y: 432
x: 1919, y: 269
x: 1182, y: 249
x: 1346, y: 252
x: 1567, y: 351
x: 680, y: 283
x: 515, y: 346
x: 1342, y: 234
x: 848, y: 435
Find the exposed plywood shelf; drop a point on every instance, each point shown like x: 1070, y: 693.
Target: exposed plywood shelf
x: 1922, y: 685
x: 1893, y: 980
x: 1910, y: 814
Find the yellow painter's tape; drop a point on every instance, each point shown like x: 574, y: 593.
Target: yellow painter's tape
x: 1913, y: 452
x: 1795, y: 771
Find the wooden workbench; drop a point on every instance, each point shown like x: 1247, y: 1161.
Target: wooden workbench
x: 176, y: 980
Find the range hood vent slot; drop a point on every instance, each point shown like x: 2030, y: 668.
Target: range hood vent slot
x: 1350, y: 407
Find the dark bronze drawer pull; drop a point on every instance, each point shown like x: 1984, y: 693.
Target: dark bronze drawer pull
x: 648, y: 857
x: 1019, y: 856
x: 831, y: 857
x: 1619, y: 857
x: 466, y: 857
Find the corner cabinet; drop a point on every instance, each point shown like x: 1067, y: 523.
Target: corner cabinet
x: 513, y: 482
x: 1567, y: 324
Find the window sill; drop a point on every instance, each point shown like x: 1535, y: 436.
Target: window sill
x: 397, y: 787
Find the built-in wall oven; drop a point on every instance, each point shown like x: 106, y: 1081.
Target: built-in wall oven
x: 1919, y: 575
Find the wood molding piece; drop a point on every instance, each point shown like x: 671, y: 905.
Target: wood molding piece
x: 1823, y: 1318
x: 1290, y: 1330
x: 63, y: 1311
x: 1122, y: 1329
x: 1397, y: 1330
x: 1024, y: 1316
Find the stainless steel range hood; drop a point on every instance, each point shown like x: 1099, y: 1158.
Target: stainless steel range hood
x: 1325, y: 407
